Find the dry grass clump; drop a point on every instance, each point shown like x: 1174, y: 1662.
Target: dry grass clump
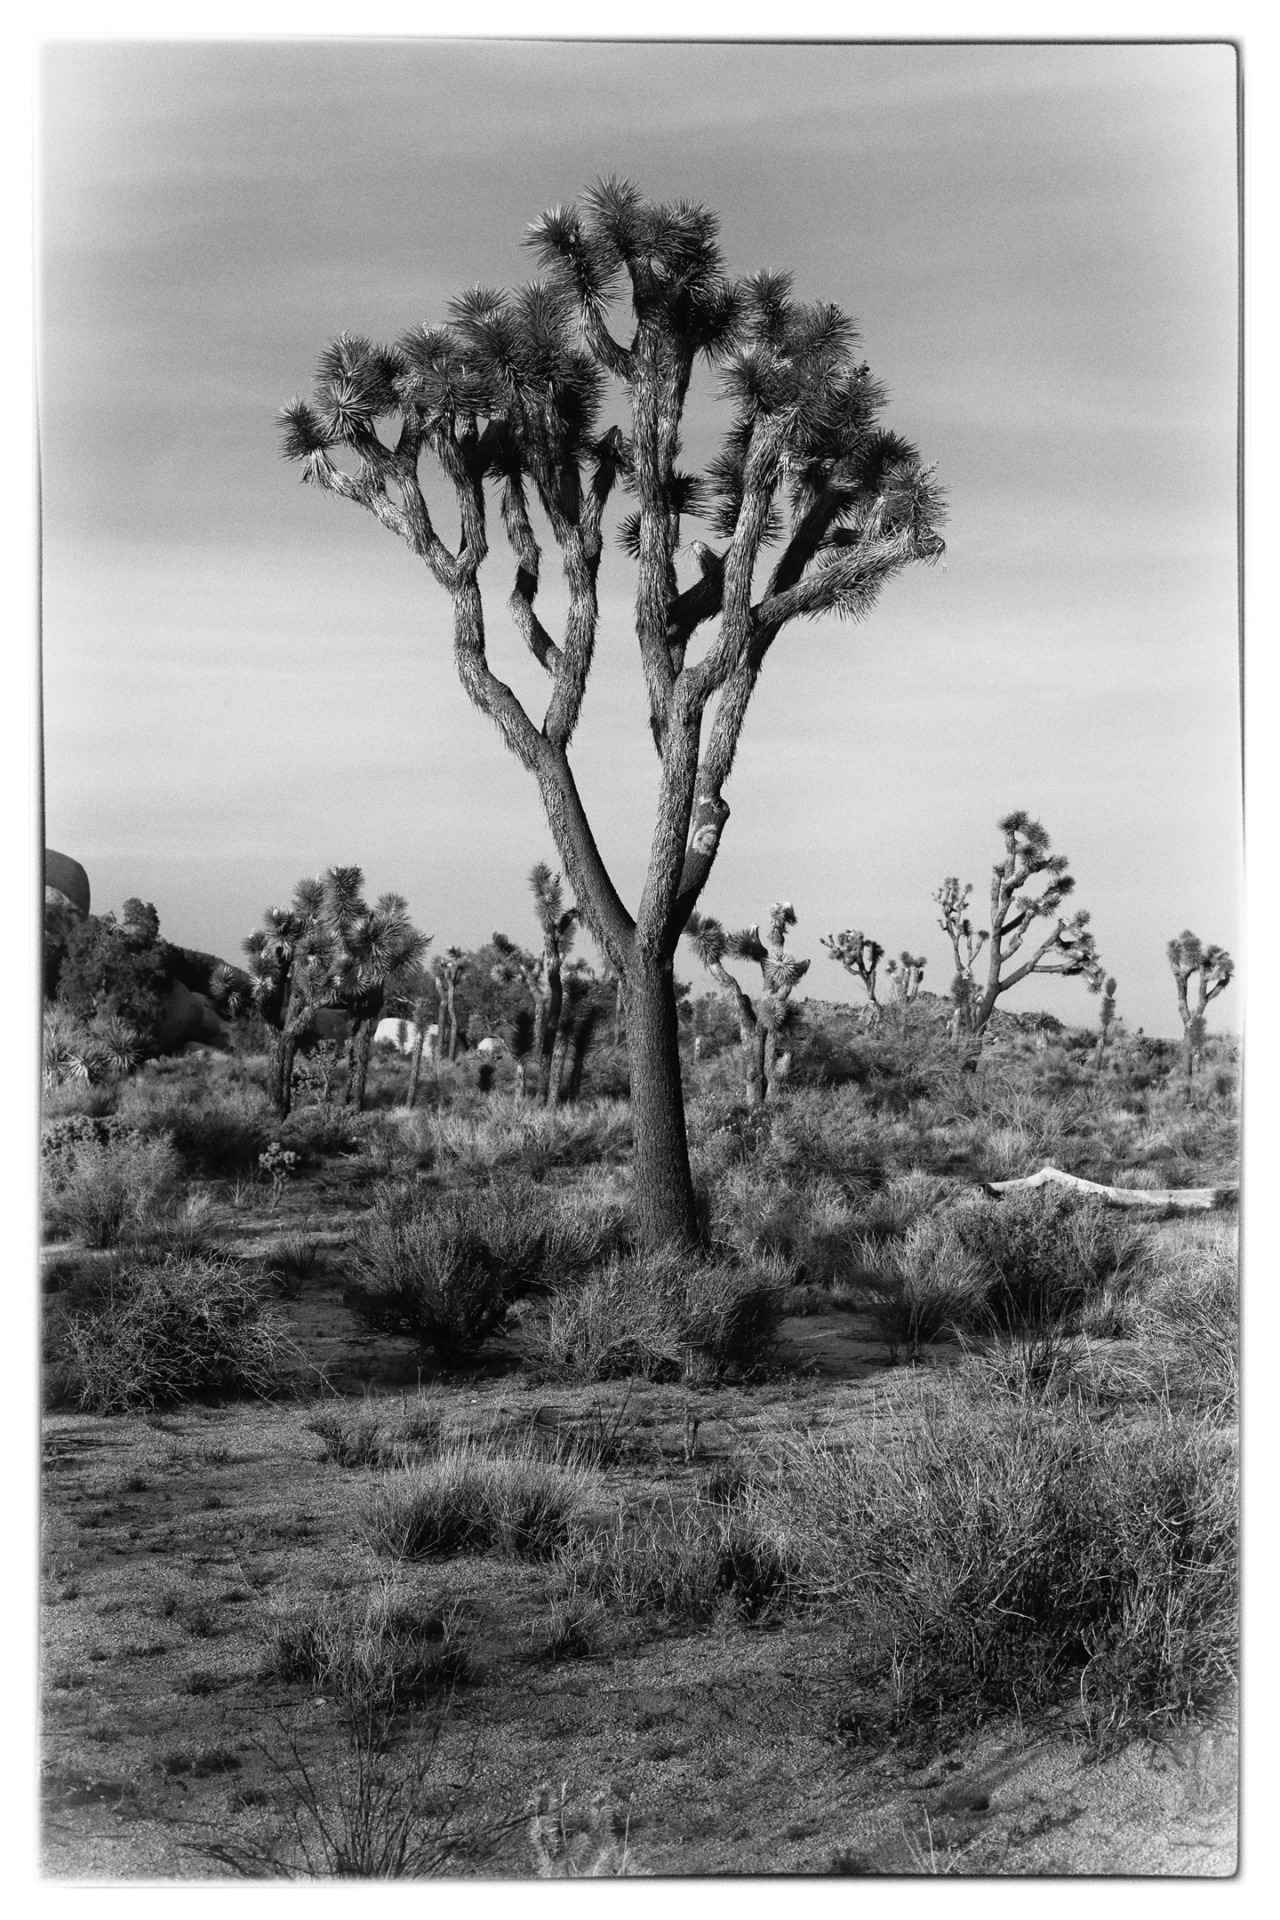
x: 662, y: 1316
x: 365, y: 1438
x: 1188, y: 1312
x: 467, y: 1500
x: 383, y: 1650
x: 1007, y: 1556
x: 165, y: 1330
x: 668, y: 1560
x: 290, y: 1263
x: 100, y: 1189
x: 516, y: 1135
x: 921, y: 1287
x: 1044, y: 1254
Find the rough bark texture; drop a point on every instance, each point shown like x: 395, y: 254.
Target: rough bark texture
x: 664, y: 1199
x: 358, y: 1073
x: 283, y: 1049
x: 415, y: 1069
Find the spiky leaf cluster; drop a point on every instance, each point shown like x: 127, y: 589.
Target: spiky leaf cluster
x: 857, y: 953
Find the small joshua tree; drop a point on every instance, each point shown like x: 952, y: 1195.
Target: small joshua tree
x: 1069, y: 948
x: 859, y: 955
x: 759, y: 1024
x: 1106, y: 1015
x: 966, y: 945
x: 906, y: 974
x: 1214, y: 966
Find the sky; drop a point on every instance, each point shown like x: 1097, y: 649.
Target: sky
x: 246, y: 680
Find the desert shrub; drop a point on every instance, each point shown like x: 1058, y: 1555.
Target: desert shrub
x: 541, y: 1237
x: 215, y: 1130
x: 445, y: 1271
x: 1044, y: 1253
x: 1009, y: 1555
x: 166, y: 1330
x: 427, y: 1272
x: 313, y: 1132
x: 922, y: 1287
x: 388, y: 1806
x: 683, y: 1562
x: 658, y: 1316
x: 98, y: 1189
x: 469, y: 1501
x: 385, y: 1650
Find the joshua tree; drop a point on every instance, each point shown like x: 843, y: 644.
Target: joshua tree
x: 906, y: 974
x: 966, y: 945
x: 559, y: 926
x: 759, y: 1023
x: 293, y: 972
x: 448, y: 969
x: 375, y: 949
x: 508, y: 396
x: 858, y: 954
x: 1069, y: 949
x: 1106, y: 1015
x: 1214, y: 966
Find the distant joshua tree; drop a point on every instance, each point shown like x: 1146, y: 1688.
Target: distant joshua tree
x: 1069, y: 949
x: 906, y: 974
x: 375, y: 950
x: 1106, y: 1015
x: 559, y: 925
x: 759, y: 1024
x: 1215, y: 967
x: 327, y: 949
x: 292, y: 974
x: 966, y: 945
x: 448, y: 969
x: 860, y: 955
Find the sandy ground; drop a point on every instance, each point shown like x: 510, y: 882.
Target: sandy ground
x: 170, y: 1540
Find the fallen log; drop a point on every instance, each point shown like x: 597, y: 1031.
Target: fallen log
x: 1190, y: 1199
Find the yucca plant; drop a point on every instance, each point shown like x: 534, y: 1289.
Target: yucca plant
x: 506, y: 401
x: 762, y: 1021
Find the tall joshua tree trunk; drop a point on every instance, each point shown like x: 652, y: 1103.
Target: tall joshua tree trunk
x: 358, y: 1071
x: 664, y: 1198
x: 282, y: 1052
